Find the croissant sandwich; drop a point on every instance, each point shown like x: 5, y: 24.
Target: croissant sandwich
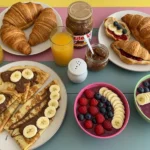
x: 131, y: 52
x: 139, y: 27
x: 43, y: 26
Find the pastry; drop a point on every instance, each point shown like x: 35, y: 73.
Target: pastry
x: 139, y: 27
x: 15, y: 38
x: 33, y: 118
x: 116, y: 29
x: 25, y: 80
x: 22, y: 15
x: 43, y: 26
x: 131, y: 52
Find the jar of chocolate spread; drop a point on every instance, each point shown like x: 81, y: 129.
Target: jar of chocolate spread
x: 80, y: 22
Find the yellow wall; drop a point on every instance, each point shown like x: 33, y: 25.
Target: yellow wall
x: 94, y: 3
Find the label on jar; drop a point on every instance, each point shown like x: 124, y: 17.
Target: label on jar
x: 79, y: 40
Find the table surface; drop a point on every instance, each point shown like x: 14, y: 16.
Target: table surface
x: 70, y: 136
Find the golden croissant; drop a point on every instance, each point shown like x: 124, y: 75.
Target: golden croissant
x: 22, y: 15
x: 43, y: 26
x: 15, y: 38
x: 131, y: 52
x: 139, y: 27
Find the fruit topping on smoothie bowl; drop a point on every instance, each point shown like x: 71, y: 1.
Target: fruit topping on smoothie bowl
x: 116, y: 29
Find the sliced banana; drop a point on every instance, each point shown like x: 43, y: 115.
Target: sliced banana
x: 117, y: 123
x: 15, y: 76
x: 30, y: 131
x: 114, y: 99
x: 111, y: 96
x: 116, y: 103
x: 42, y: 122
x: 102, y: 90
x: 112, y: 27
x: 118, y: 32
x: 2, y: 98
x: 119, y: 109
x: 55, y: 96
x: 53, y: 103
x: 54, y: 88
x: 119, y: 106
x: 50, y: 112
x: 106, y: 92
x: 27, y: 74
x: 142, y: 99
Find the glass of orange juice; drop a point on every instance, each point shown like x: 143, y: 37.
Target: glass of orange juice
x: 62, y: 45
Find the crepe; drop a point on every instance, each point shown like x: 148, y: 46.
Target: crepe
x: 27, y: 89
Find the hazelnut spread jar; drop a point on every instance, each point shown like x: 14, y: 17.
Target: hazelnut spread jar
x: 80, y: 22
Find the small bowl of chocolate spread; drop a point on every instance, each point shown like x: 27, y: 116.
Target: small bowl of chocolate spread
x: 99, y: 59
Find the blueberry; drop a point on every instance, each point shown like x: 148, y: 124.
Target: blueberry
x: 124, y: 31
x: 100, y: 105
x: 103, y: 99
x: 97, y: 96
x: 94, y: 121
x: 88, y: 116
x: 115, y: 23
x: 140, y: 90
x: 108, y: 103
x: 108, y: 108
x: 146, y: 89
x: 80, y: 117
x: 103, y: 110
x: 119, y: 26
x: 106, y: 116
x: 146, y: 84
x: 110, y: 114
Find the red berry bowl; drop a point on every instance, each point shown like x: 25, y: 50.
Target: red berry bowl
x: 101, y: 110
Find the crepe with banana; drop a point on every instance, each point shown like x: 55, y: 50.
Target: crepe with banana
x: 25, y: 80
x: 9, y: 102
x: 31, y: 120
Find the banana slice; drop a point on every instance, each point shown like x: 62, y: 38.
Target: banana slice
x: 55, y: 96
x: 2, y: 98
x: 15, y: 76
x: 119, y: 106
x: 53, y: 103
x: 54, y: 88
x: 142, y: 99
x: 50, y: 112
x: 112, y: 27
x: 117, y: 123
x: 121, y: 116
x: 111, y: 96
x: 118, y: 32
x: 42, y: 122
x: 114, y: 99
x: 30, y: 131
x: 102, y: 90
x: 116, y: 102
x: 27, y: 74
x: 106, y: 92
x: 119, y: 109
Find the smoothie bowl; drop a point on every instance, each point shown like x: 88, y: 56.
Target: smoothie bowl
x: 101, y: 110
x: 142, y: 97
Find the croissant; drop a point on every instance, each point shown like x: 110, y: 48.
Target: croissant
x: 131, y: 52
x: 15, y: 38
x: 43, y: 26
x: 139, y: 27
x: 22, y: 15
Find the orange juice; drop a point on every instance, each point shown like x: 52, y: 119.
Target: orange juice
x: 62, y: 48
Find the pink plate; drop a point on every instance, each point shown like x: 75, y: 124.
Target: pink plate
x: 95, y: 87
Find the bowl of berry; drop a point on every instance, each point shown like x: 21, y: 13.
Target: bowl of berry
x: 142, y: 97
x: 101, y: 110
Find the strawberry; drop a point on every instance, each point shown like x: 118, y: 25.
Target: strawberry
x: 93, y: 102
x: 100, y: 118
x: 107, y: 125
x: 88, y: 124
x: 99, y: 130
x: 83, y: 101
x: 93, y: 110
x: 82, y: 109
x: 89, y: 93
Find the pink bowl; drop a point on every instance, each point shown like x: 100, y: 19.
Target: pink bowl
x: 107, y: 134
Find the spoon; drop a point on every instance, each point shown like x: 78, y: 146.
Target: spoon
x: 89, y: 45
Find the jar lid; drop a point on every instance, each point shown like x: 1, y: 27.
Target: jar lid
x: 77, y: 66
x: 80, y: 10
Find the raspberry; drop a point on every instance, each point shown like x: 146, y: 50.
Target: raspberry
x: 100, y: 118
x: 88, y: 124
x: 107, y: 125
x: 82, y: 109
x: 99, y: 130
x: 89, y: 93
x: 93, y: 102
x: 93, y: 110
x: 83, y: 101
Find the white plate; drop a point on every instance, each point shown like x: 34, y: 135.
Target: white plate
x: 58, y: 119
x: 102, y: 38
x: 35, y: 49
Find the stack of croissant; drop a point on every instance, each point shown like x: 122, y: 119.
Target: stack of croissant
x: 21, y: 16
